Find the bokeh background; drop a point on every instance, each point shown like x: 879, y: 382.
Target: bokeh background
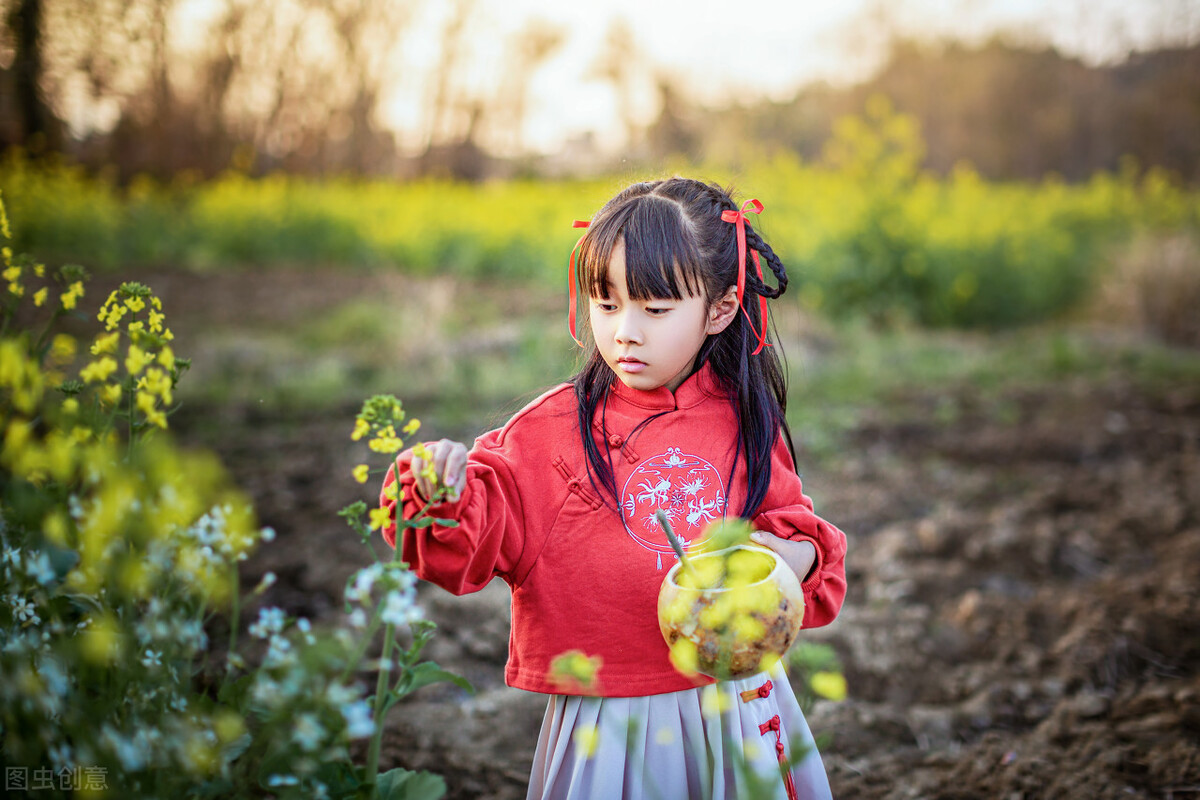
x: 990, y: 214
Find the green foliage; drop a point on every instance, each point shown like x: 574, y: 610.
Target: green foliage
x: 116, y: 554
x: 864, y: 232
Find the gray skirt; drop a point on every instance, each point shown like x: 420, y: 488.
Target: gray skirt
x: 719, y: 741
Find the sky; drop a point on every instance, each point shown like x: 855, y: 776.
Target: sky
x: 719, y: 50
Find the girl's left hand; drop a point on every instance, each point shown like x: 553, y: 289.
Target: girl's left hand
x: 800, y: 555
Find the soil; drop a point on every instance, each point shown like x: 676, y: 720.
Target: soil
x: 1023, y: 616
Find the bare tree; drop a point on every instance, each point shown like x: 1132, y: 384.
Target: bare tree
x: 529, y: 49
x: 37, y: 125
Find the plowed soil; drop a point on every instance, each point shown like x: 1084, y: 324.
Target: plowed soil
x: 1023, y: 619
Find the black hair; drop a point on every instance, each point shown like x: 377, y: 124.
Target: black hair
x: 677, y: 245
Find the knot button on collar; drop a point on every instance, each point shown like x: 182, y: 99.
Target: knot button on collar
x: 615, y: 441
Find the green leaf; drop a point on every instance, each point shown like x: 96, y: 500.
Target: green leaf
x: 427, y: 673
x: 403, y: 784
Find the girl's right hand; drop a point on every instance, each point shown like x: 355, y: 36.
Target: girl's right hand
x: 449, y: 461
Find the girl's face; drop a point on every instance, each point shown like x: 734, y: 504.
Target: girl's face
x: 654, y: 342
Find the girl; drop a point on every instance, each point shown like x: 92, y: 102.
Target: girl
x: 680, y: 406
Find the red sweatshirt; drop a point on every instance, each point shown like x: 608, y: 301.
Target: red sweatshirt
x: 583, y: 576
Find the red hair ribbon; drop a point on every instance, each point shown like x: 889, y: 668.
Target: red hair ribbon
x: 579, y: 223
x: 738, y: 218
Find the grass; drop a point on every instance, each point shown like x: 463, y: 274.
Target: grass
x: 466, y: 364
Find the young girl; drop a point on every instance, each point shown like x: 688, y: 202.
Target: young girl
x: 680, y: 406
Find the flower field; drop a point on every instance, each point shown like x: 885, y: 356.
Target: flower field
x: 864, y: 231
x: 185, y: 613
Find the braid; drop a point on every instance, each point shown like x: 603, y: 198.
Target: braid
x: 757, y: 242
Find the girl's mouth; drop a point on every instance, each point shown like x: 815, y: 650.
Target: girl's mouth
x: 630, y: 365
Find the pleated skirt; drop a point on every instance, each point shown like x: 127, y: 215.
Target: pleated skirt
x: 708, y: 742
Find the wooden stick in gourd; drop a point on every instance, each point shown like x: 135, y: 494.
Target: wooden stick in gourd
x: 676, y: 545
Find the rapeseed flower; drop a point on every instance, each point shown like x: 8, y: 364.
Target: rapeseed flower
x: 379, y: 517
x: 98, y: 371
x: 575, y: 668
x: 587, y: 740
x: 71, y: 296
x: 137, y: 359
x: 830, y: 685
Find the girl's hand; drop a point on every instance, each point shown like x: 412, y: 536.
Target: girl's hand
x: 800, y: 555
x: 449, y: 469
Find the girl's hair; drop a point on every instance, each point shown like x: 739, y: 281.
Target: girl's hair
x: 676, y: 244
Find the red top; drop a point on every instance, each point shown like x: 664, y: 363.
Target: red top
x: 583, y: 576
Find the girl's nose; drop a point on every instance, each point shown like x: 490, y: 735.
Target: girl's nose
x: 628, y: 332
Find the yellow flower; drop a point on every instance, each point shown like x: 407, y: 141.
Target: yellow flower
x: 146, y: 402
x: 587, y: 740
x: 62, y: 348
x: 135, y: 304
x: 684, y: 657
x: 16, y: 289
x: 137, y: 359
x: 111, y: 395
x: 98, y: 371
x: 39, y: 270
x: 11, y: 274
x: 747, y: 629
x: 412, y: 427
x: 106, y: 344
x: 575, y: 668
x: 830, y: 685
x: 39, y: 297
x: 111, y: 316
x: 156, y: 382
x: 361, y: 429
x: 72, y: 295
x: 156, y: 321
x: 713, y: 701
x: 386, y: 441
x: 166, y: 356
x: 379, y: 517
x: 361, y: 473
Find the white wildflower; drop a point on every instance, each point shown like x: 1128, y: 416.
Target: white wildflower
x: 364, y: 581
x: 41, y: 570
x: 279, y: 652
x: 307, y: 732
x: 270, y: 622
x: 358, y: 719
x: 23, y: 610
x: 400, y: 608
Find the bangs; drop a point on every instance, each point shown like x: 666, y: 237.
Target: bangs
x: 661, y: 258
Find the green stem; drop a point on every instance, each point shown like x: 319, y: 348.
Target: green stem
x: 381, y: 692
x: 352, y: 665
x: 235, y: 614
x: 380, y: 699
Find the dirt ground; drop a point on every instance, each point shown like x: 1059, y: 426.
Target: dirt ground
x: 1023, y: 617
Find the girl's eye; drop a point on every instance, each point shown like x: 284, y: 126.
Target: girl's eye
x: 656, y: 311
x: 603, y: 306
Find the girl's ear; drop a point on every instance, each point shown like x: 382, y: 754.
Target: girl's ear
x: 722, y: 312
